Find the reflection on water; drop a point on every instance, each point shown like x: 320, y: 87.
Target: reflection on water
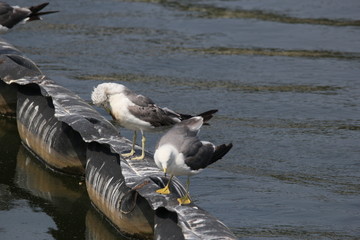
x: 31, y: 193
x: 39, y: 181
x: 9, y: 145
x: 97, y: 228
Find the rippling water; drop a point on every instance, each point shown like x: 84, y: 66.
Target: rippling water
x: 283, y: 74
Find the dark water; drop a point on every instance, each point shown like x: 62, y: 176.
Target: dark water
x: 284, y: 75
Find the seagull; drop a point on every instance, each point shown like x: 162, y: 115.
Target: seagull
x: 180, y: 152
x: 12, y: 15
x: 137, y: 112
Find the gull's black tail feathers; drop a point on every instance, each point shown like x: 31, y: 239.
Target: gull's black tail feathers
x: 220, y: 152
x: 208, y: 114
x: 205, y: 115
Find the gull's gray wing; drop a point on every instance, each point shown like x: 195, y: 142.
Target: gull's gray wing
x: 197, y: 154
x: 183, y: 136
x: 138, y: 99
x: 156, y: 116
x: 202, y: 154
x: 146, y: 110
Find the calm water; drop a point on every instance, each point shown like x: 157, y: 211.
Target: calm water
x: 283, y: 74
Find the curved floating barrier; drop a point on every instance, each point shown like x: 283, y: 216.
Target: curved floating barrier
x: 70, y: 136
x: 13, y: 65
x: 54, y: 141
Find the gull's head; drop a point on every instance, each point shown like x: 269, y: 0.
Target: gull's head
x: 101, y: 93
x: 164, y: 156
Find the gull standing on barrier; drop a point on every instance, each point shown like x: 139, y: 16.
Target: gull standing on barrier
x: 180, y: 152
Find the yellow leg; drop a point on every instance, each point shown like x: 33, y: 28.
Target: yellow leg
x: 166, y: 189
x: 141, y: 157
x: 186, y: 198
x: 131, y: 153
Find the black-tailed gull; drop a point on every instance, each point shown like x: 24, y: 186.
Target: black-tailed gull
x: 180, y: 152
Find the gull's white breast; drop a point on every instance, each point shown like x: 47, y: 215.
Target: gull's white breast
x: 119, y: 104
x: 168, y: 156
